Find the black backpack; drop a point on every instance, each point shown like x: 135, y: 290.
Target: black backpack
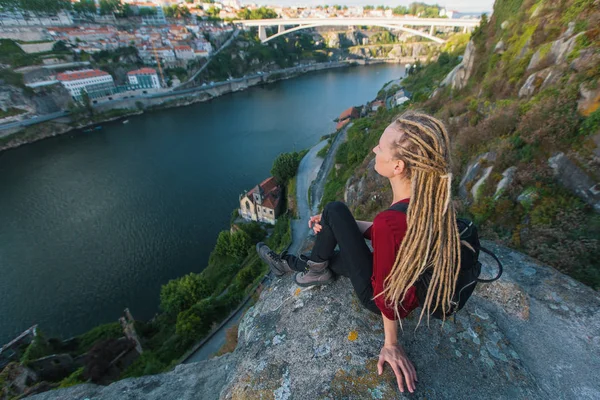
x: 470, y: 267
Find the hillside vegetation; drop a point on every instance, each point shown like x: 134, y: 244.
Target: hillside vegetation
x: 531, y: 93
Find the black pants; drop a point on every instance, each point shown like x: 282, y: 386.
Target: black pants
x: 354, y: 259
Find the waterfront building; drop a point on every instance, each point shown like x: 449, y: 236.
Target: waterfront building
x: 352, y: 112
x: 146, y: 78
x: 262, y: 203
x: 95, y: 82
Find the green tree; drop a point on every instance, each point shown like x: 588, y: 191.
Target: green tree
x: 110, y: 7
x: 37, y: 6
x: 174, y: 11
x: 85, y: 7
x: 60, y: 46
x: 195, y: 322
x: 254, y: 230
x: 147, y: 11
x: 223, y: 242
x: 239, y: 244
x: 285, y: 166
x: 259, y: 13
x: 180, y: 294
x: 245, y: 277
x: 400, y: 10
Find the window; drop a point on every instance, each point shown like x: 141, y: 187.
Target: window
x: 271, y: 212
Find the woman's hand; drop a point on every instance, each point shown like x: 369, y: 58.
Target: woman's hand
x: 394, y: 355
x: 315, y: 223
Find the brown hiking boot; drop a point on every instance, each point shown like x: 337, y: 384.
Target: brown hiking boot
x: 278, y: 265
x: 316, y: 274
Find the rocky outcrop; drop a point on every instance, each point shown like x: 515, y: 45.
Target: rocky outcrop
x: 533, y: 334
x: 559, y: 49
x: 507, y: 178
x: 475, y: 176
x: 576, y: 180
x: 540, y: 80
x: 589, y: 100
x: 458, y: 77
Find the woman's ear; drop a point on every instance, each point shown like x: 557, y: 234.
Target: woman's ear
x: 399, y: 167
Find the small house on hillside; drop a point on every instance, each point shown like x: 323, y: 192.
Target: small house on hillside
x: 262, y: 203
x: 351, y: 113
x: 377, y: 104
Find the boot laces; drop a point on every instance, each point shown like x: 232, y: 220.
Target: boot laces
x: 274, y: 255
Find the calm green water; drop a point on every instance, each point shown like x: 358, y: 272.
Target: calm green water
x: 91, y: 223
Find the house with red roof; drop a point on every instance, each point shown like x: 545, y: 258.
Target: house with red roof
x: 95, y: 82
x: 184, y: 52
x: 352, y: 113
x: 262, y: 203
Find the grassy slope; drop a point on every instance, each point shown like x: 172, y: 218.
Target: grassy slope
x: 556, y: 227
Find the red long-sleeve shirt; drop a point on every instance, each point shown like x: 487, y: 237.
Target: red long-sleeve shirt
x: 386, y: 234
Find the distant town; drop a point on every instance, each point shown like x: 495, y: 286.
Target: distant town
x: 164, y: 34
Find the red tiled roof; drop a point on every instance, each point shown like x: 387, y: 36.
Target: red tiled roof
x: 186, y: 48
x: 341, y: 124
x: 351, y: 112
x: 76, y: 75
x: 142, y: 71
x: 271, y: 193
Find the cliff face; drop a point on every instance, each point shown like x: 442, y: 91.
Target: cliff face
x: 533, y: 334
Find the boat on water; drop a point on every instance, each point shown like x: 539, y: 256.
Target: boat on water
x: 88, y: 130
x: 126, y: 121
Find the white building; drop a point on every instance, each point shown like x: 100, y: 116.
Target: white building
x: 97, y: 83
x: 184, y: 52
x: 145, y: 77
x: 203, y: 45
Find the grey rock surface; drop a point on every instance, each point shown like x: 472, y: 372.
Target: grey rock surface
x: 477, y: 172
x: 533, y: 334
x: 458, y: 77
x: 575, y: 179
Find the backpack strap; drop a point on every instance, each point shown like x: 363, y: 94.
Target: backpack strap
x: 500, y: 268
x: 403, y: 207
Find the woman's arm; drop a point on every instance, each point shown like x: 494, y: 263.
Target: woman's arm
x: 393, y: 353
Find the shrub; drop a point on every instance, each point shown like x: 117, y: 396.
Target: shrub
x: 285, y: 166
x: 196, y: 321
x: 180, y: 294
x: 111, y: 330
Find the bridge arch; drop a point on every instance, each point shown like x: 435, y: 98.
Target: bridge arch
x: 324, y: 23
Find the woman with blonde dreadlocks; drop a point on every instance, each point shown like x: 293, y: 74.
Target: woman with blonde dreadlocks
x: 414, y: 154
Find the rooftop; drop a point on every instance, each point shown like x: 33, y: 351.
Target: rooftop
x: 83, y: 74
x: 142, y: 71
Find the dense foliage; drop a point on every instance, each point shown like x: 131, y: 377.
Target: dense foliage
x: 285, y: 166
x: 257, y: 13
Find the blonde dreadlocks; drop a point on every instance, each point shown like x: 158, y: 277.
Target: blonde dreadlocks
x: 432, y: 240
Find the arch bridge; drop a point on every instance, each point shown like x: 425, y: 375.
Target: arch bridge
x: 402, y: 24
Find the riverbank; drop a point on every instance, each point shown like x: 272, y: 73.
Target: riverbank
x: 107, y: 112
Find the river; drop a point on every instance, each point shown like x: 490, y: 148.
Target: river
x: 91, y: 223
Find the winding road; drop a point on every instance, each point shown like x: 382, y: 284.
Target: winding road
x: 312, y: 168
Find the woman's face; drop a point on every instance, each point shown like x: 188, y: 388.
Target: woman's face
x: 385, y: 164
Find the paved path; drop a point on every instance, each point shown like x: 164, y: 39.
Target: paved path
x: 307, y: 173
x: 31, y: 121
